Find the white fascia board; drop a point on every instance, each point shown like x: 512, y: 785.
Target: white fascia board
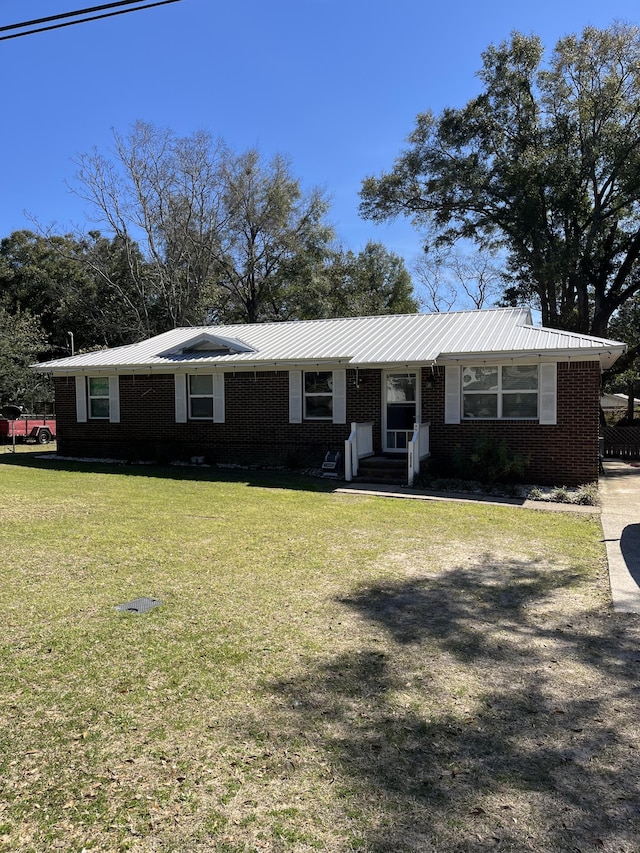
x: 606, y: 356
x: 392, y: 365
x: 197, y: 367
x: 249, y: 366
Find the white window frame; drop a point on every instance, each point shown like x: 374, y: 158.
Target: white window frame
x: 500, y: 393
x: 91, y: 397
x: 308, y: 394
x: 191, y: 396
x: 216, y: 396
x: 297, y: 406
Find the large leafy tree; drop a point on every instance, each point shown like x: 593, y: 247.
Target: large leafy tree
x: 543, y: 166
x: 37, y: 275
x: 81, y: 290
x: 22, y: 341
x: 380, y: 283
x: 270, y: 228
x: 625, y: 326
x: 348, y: 284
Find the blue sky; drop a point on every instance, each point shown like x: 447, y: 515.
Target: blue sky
x: 334, y: 85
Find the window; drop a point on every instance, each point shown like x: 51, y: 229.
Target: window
x: 201, y: 396
x: 500, y: 392
x: 318, y: 395
x: 98, y: 394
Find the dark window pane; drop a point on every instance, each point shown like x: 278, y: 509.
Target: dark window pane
x: 400, y: 417
x: 480, y: 405
x: 318, y: 383
x: 520, y: 406
x: 201, y: 407
x: 320, y: 406
x: 99, y: 407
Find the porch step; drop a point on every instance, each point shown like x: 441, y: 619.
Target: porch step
x: 383, y: 469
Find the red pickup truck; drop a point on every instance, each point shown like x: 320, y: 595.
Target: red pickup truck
x: 28, y: 428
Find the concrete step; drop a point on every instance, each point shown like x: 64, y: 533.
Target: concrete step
x: 382, y: 469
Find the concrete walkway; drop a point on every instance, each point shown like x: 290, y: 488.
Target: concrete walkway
x: 619, y: 490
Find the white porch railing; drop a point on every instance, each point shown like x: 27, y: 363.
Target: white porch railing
x: 358, y: 445
x: 418, y: 450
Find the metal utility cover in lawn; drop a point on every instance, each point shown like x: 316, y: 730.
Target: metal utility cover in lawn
x: 139, y: 605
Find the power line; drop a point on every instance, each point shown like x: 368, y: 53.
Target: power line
x: 86, y: 11
x: 69, y: 14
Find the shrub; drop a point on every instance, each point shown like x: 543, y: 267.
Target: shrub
x: 586, y: 495
x: 489, y: 460
x: 560, y: 495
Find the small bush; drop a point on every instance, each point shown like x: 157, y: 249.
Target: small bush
x: 586, y: 495
x: 490, y: 460
x: 536, y: 494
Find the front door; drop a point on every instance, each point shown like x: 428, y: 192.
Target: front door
x: 400, y: 410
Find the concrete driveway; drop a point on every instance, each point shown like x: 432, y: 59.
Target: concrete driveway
x: 619, y: 490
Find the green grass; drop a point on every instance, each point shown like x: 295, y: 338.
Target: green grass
x: 327, y: 672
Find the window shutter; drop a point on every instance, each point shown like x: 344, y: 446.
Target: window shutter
x: 339, y: 396
x: 295, y: 396
x: 114, y: 399
x: 548, y: 391
x: 81, y: 400
x: 181, y: 397
x: 218, y: 398
x: 452, y: 395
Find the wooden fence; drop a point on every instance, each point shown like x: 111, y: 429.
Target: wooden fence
x: 622, y: 442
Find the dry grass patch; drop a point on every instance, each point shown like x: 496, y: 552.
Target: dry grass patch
x: 328, y: 672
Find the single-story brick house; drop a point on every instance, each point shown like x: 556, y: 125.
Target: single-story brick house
x: 290, y: 392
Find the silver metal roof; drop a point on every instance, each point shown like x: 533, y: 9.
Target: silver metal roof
x: 356, y: 341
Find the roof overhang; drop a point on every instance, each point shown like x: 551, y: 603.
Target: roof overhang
x: 605, y: 357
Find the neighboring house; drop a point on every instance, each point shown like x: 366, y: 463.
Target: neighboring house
x: 614, y: 402
x: 287, y: 393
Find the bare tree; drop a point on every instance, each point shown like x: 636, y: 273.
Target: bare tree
x: 163, y: 193
x: 216, y: 229
x: 451, y: 280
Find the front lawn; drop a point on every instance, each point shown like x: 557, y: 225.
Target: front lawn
x: 327, y: 671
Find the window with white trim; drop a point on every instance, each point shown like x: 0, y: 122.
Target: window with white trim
x: 500, y: 391
x: 201, y: 396
x: 98, y: 397
x: 318, y: 395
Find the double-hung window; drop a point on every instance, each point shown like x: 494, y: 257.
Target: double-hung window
x: 500, y: 391
x: 201, y: 396
x: 318, y: 395
x: 98, y: 397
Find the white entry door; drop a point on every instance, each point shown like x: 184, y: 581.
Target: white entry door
x: 401, y: 392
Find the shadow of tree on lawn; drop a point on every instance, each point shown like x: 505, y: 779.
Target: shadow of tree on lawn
x: 497, y: 717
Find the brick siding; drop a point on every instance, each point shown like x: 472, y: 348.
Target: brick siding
x: 562, y: 454
x: 257, y: 428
